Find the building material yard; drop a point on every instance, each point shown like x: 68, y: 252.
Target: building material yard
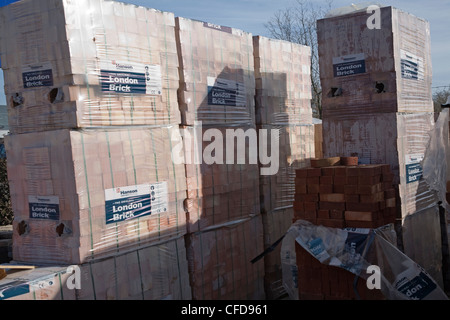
x: 156, y: 157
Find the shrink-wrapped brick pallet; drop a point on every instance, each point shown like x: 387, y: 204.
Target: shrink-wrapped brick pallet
x: 220, y: 264
x: 283, y: 108
x: 156, y: 272
x: 81, y: 195
x: 377, y: 105
x: 217, y: 84
x: 74, y: 64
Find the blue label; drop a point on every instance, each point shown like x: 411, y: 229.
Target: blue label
x: 414, y: 172
x: 124, y: 209
x: 221, y: 96
x: 14, y: 289
x: 418, y: 287
x: 123, y: 82
x: 44, y: 211
x: 39, y: 78
x: 349, y: 68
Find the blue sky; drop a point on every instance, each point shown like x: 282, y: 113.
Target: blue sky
x: 250, y: 16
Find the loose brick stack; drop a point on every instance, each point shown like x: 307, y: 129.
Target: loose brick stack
x: 346, y: 196
x: 340, y: 196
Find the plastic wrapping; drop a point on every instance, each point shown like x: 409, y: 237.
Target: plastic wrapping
x: 156, y: 272
x: 386, y: 70
x: 76, y: 64
x: 80, y: 195
x: 217, y: 84
x: 219, y: 192
x: 283, y: 82
x: 356, y: 250
x: 219, y: 261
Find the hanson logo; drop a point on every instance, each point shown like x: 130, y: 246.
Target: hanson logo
x: 120, y: 66
x: 126, y: 192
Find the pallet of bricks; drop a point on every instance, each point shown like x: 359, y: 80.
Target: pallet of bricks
x: 340, y: 196
x: 377, y: 106
x: 216, y: 97
x: 93, y: 114
x: 283, y: 108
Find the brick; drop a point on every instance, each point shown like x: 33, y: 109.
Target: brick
x: 340, y: 180
x: 331, y: 223
x: 300, y: 188
x: 312, y: 180
x: 352, y: 180
x: 312, y: 188
x: 351, y: 189
x: 325, y: 280
x: 310, y: 197
x: 340, y: 171
x: 338, y: 188
x: 390, y: 203
x: 353, y: 198
x: 323, y: 214
x: 310, y: 215
x: 371, y: 198
x: 311, y: 296
x: 336, y: 214
x: 352, y: 171
x: 332, y: 205
x: 369, y: 170
x: 298, y: 206
x: 364, y: 224
x: 370, y: 189
x: 325, y: 188
x: 350, y: 206
x: 387, y: 185
x: 301, y: 173
x: 332, y: 197
x: 327, y: 180
x: 310, y: 206
x: 361, y: 216
x: 387, y: 177
x: 369, y: 180
x: 385, y: 168
x: 328, y: 171
x: 300, y: 180
x: 313, y: 172
x: 389, y: 193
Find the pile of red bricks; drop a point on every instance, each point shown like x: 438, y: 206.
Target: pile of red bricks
x: 346, y: 196
x: 340, y: 196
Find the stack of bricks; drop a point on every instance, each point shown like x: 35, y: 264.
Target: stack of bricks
x: 346, y: 196
x: 360, y: 196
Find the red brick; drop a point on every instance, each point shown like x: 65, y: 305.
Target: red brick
x: 310, y: 215
x: 327, y: 180
x: 369, y: 170
x: 371, y: 198
x: 312, y: 180
x: 369, y: 180
x: 311, y: 206
x: 314, y: 172
x: 336, y: 214
x: 312, y: 188
x: 352, y: 180
x: 352, y: 171
x: 369, y: 189
x: 338, y: 188
x: 387, y: 177
x: 350, y: 206
x: 325, y: 280
x: 340, y: 171
x: 387, y: 185
x: 332, y: 205
x: 310, y: 197
x: 385, y: 168
x: 389, y: 193
x: 298, y: 206
x: 351, y: 189
x: 390, y: 203
x: 331, y: 223
x: 361, y: 216
x: 300, y: 180
x: 301, y: 173
x: 311, y: 296
x: 323, y: 214
x: 328, y: 171
x: 353, y: 198
x: 300, y: 188
x: 325, y: 188
x: 340, y: 180
x: 332, y: 197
